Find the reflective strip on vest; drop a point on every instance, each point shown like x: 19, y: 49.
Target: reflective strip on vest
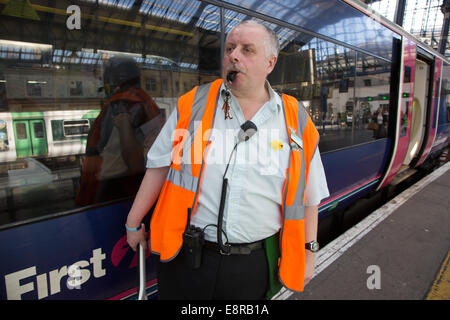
x: 198, y: 108
x: 302, y: 118
x: 296, y: 121
x: 182, y: 178
x: 292, y: 237
x: 181, y: 188
x: 297, y: 210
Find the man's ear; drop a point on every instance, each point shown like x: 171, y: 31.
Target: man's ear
x: 271, y: 64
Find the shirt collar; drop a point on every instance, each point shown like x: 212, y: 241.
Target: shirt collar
x: 274, y: 103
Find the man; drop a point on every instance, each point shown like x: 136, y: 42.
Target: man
x: 263, y: 198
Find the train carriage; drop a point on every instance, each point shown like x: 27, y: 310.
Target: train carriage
x: 379, y: 97
x: 47, y: 134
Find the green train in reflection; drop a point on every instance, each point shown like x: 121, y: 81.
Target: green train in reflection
x: 44, y: 134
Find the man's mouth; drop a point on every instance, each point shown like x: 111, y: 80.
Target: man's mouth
x: 231, y: 76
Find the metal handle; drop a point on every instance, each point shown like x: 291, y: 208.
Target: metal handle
x: 142, y: 293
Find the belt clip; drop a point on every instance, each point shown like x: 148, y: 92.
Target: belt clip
x: 227, y: 252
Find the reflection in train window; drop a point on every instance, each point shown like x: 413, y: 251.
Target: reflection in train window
x: 57, y: 130
x: 63, y: 94
x: 323, y: 82
x: 72, y: 87
x: 372, y: 103
x: 76, y: 127
x: 150, y: 84
x: 76, y: 88
x: 38, y: 128
x: 345, y: 92
x: 34, y: 88
x: 21, y: 131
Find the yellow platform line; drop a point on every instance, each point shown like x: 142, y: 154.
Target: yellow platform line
x: 440, y: 290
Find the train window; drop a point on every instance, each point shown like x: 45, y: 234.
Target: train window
x: 38, y: 128
x: 70, y: 129
x: 407, y: 75
x: 324, y: 82
x: 57, y: 130
x: 346, y: 93
x: 76, y: 127
x: 75, y: 85
x: 405, y: 101
x: 371, y: 114
x: 21, y: 131
x: 329, y: 18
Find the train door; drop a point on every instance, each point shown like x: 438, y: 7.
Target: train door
x: 30, y: 138
x: 419, y: 110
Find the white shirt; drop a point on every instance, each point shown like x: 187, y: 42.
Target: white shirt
x: 256, y: 173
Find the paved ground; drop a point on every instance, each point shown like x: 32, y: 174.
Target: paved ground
x: 399, y: 258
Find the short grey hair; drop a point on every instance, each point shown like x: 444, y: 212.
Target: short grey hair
x: 271, y: 42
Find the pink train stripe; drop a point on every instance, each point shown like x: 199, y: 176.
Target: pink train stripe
x: 131, y: 291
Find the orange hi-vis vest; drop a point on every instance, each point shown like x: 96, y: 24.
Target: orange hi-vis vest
x: 196, y: 112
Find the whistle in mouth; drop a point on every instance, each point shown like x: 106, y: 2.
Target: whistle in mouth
x: 231, y: 76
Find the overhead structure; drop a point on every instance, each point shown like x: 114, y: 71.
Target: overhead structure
x: 443, y: 43
x: 426, y: 19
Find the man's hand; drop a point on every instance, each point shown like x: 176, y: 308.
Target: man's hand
x: 310, y: 263
x: 145, y: 198
x: 136, y: 237
x: 311, y: 223
x: 122, y: 120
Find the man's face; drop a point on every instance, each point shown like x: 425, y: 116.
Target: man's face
x: 245, y: 53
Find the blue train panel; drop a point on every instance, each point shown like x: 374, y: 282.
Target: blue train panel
x: 78, y: 256
x: 353, y: 172
x: 443, y: 118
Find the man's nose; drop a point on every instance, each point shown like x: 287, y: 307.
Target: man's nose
x: 234, y: 55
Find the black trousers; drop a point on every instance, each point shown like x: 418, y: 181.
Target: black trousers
x: 219, y: 277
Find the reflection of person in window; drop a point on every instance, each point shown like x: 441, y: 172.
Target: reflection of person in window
x: 120, y: 136
x: 380, y: 132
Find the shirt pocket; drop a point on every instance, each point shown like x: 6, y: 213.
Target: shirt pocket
x: 274, y: 158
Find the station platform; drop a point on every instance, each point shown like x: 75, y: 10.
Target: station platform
x: 399, y: 252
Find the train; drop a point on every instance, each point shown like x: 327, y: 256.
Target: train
x: 379, y: 97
